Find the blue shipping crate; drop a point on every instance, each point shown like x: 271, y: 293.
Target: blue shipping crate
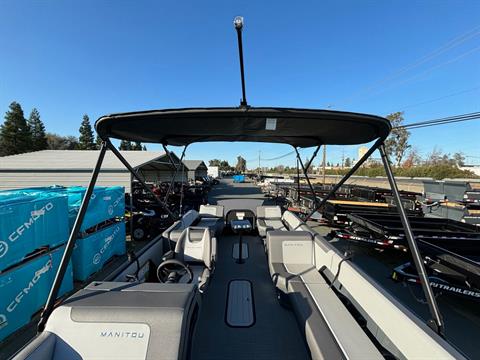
x: 24, y: 289
x: 105, y: 203
x: 29, y: 222
x: 93, y: 251
x: 239, y: 178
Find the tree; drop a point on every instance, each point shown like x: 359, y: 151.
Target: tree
x: 435, y: 157
x: 15, y: 136
x: 223, y: 165
x: 125, y: 145
x: 98, y: 142
x: 86, y: 139
x: 214, y: 162
x: 241, y: 164
x: 57, y: 142
x: 459, y: 159
x: 396, y: 145
x: 348, y: 162
x: 137, y: 146
x: 413, y: 159
x: 144, y: 148
x: 37, y: 131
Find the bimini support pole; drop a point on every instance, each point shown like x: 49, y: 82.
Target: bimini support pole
x: 172, y: 183
x: 305, y: 172
x: 67, y: 254
x: 139, y: 179
x: 346, y: 177
x: 436, y: 323
x: 298, y: 183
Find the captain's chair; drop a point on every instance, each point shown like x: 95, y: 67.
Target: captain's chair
x: 197, y: 248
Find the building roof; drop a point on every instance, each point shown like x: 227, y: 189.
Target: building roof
x: 194, y: 164
x: 70, y: 160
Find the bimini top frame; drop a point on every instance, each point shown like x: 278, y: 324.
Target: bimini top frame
x: 297, y: 127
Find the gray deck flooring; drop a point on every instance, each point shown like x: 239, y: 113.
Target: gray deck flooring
x: 275, y: 333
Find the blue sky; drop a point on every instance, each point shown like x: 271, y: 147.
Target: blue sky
x: 96, y: 57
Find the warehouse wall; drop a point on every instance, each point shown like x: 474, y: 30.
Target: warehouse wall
x: 23, y: 179
x: 161, y: 176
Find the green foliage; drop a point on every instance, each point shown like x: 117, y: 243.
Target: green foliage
x: 86, y: 139
x: 125, y: 145
x: 37, y: 130
x: 98, y: 141
x: 241, y: 164
x: 128, y: 145
x: 396, y: 145
x: 15, y: 136
x: 438, y: 172
x: 223, y: 165
x: 57, y: 142
x: 348, y: 162
x: 137, y: 145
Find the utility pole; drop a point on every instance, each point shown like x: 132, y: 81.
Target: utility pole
x: 259, y: 153
x: 324, y: 162
x: 343, y: 156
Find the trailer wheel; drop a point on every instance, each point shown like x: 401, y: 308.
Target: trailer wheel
x: 139, y: 233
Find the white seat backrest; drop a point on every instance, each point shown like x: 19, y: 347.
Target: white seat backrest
x: 189, y: 217
x: 269, y: 212
x: 214, y: 210
x: 292, y: 220
x: 195, y: 246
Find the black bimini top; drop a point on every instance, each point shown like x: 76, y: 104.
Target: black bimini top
x: 297, y: 127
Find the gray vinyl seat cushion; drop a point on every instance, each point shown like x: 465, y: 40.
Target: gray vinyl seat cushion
x: 269, y: 218
x: 113, y: 320
x: 197, y: 248
x: 176, y: 229
x: 216, y: 225
x: 280, y: 275
x: 321, y: 315
x: 212, y: 216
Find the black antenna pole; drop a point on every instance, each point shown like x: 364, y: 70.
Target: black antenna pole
x: 238, y: 22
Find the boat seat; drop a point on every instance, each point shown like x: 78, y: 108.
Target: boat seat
x: 281, y: 275
x: 269, y: 218
x: 176, y: 229
x: 116, y: 320
x: 197, y: 248
x: 322, y: 317
x: 294, y: 223
x: 212, y: 216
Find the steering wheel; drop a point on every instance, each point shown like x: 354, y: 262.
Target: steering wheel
x: 171, y: 271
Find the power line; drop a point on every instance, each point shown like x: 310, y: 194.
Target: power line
x: 280, y: 157
x: 441, y: 121
x: 442, y: 49
x: 440, y: 98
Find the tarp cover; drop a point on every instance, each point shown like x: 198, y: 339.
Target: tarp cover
x: 297, y: 127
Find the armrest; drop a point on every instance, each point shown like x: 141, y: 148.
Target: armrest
x: 168, y: 255
x: 214, y: 249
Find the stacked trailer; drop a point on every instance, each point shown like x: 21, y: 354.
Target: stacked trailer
x: 456, y: 200
x: 450, y: 249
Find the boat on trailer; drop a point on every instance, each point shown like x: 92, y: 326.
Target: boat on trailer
x: 239, y: 279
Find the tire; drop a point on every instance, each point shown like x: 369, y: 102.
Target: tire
x: 139, y: 233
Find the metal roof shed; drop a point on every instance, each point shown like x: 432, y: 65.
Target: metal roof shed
x: 74, y: 167
x: 195, y: 168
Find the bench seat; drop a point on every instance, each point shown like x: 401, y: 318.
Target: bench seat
x: 330, y: 330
